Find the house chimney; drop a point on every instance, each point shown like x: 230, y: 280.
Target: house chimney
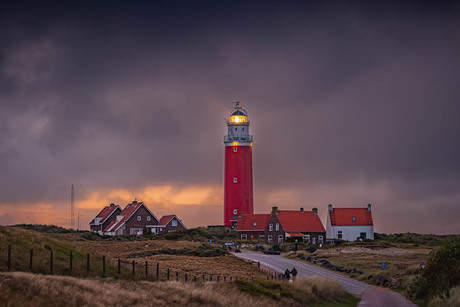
x: 369, y: 207
x: 274, y: 209
x: 134, y: 201
x: 329, y: 207
x: 301, y: 210
x: 315, y: 211
x: 111, y: 205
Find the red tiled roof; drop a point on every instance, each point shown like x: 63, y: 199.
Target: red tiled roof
x: 293, y: 221
x: 344, y: 216
x: 253, y: 222
x: 104, y: 214
x: 166, y: 219
x: 129, y: 210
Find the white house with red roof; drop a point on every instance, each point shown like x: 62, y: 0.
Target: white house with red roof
x: 104, y: 218
x: 349, y: 224
x: 281, y: 225
x: 133, y: 220
x: 168, y: 223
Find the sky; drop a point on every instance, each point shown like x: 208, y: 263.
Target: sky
x: 350, y: 102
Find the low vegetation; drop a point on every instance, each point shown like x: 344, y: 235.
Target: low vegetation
x: 204, y: 250
x: 25, y: 289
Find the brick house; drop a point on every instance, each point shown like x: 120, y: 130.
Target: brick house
x: 104, y: 218
x: 168, y: 223
x: 283, y: 224
x: 252, y: 226
x: 134, y: 220
x: 350, y: 224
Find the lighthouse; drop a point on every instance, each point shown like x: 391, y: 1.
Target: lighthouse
x: 238, y: 192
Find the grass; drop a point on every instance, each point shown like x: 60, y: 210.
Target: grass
x: 26, y: 289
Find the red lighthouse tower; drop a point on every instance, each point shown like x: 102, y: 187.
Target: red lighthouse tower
x: 238, y: 193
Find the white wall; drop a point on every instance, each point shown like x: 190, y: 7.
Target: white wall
x: 350, y: 233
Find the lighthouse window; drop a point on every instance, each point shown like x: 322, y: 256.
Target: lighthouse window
x: 235, y: 149
x: 235, y: 180
x: 234, y: 211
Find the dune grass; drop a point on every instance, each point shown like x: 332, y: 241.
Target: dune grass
x: 26, y: 289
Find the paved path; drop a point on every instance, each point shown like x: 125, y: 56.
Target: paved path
x: 370, y: 295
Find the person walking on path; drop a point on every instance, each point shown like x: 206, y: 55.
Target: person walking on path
x: 287, y: 274
x: 293, y: 272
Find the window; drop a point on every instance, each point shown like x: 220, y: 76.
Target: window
x: 362, y: 235
x: 339, y: 234
x: 148, y: 218
x: 235, y: 211
x: 235, y: 149
x: 320, y: 239
x: 313, y: 240
x: 97, y: 220
x: 270, y: 227
x: 139, y: 218
x: 280, y: 238
x: 235, y: 180
x: 307, y: 238
x: 255, y: 224
x: 277, y: 226
x: 353, y: 218
x: 243, y: 129
x: 174, y: 223
x: 244, y: 236
x: 270, y: 238
x: 161, y: 229
x: 261, y: 236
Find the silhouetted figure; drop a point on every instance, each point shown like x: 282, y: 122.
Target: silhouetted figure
x: 293, y: 272
x: 287, y: 274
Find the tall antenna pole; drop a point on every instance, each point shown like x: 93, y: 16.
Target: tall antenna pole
x: 72, y: 199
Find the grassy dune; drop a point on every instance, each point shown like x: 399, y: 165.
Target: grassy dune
x: 26, y: 289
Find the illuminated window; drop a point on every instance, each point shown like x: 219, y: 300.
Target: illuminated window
x: 235, y: 149
x: 234, y: 211
x: 148, y: 218
x: 139, y: 218
x: 235, y: 180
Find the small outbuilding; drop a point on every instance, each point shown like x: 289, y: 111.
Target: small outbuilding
x: 349, y: 224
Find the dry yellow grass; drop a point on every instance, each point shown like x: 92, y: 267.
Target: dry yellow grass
x: 452, y: 301
x: 25, y: 289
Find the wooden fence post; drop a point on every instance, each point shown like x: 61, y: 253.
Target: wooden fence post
x: 134, y: 265
x: 185, y: 277
x: 194, y: 278
x: 210, y: 278
x: 9, y: 258
x: 87, y: 263
x: 168, y: 273
x: 218, y: 278
x: 103, y: 265
x: 70, y: 267
x: 158, y: 270
x: 230, y: 278
x: 203, y: 278
x: 119, y: 266
x: 31, y: 259
x: 258, y: 264
x: 146, y: 270
x: 51, y: 262
x: 225, y: 278
x: 177, y: 276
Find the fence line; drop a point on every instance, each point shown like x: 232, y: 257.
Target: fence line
x: 73, y: 268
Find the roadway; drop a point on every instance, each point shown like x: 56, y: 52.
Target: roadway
x: 370, y: 295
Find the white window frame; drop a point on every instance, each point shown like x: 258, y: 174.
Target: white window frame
x: 280, y: 238
x: 235, y: 180
x: 139, y: 218
x: 148, y: 218
x: 313, y: 240
x: 235, y: 149
x: 277, y: 226
x: 270, y: 238
x: 306, y: 238
x: 244, y: 236
x: 320, y: 239
x: 174, y: 223
x: 339, y: 234
x: 270, y: 227
x: 261, y: 236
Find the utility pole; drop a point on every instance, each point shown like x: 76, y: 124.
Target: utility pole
x: 72, y: 200
x: 79, y: 216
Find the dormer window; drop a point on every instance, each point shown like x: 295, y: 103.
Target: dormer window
x: 119, y: 217
x: 97, y: 220
x: 353, y: 218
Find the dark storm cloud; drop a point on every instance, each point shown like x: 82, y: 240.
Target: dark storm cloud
x: 133, y: 94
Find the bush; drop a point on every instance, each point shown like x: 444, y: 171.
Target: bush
x: 311, y: 249
x: 441, y: 273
